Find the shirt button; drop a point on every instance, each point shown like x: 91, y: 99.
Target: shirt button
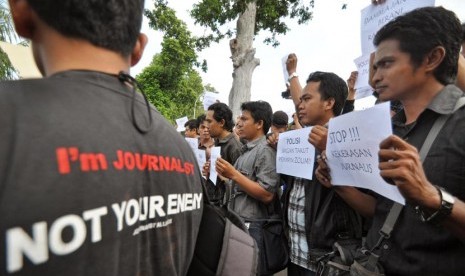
x: 386, y: 247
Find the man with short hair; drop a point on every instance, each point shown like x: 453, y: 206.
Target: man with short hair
x: 93, y: 180
x: 416, y: 63
x: 206, y: 142
x: 279, y: 122
x: 312, y: 232
x: 463, y: 39
x: 192, y: 127
x: 253, y: 177
x: 220, y: 124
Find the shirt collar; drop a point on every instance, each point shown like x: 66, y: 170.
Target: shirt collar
x: 251, y: 145
x: 226, y: 139
x: 443, y: 103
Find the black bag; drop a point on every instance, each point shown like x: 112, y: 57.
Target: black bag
x: 224, y: 246
x: 272, y: 243
x: 332, y: 219
x: 350, y: 260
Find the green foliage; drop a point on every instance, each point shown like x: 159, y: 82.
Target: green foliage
x: 176, y: 35
x: 215, y: 14
x: 170, y: 82
x: 7, y: 33
x: 7, y: 71
x: 209, y: 88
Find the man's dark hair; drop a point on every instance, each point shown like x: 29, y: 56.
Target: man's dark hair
x: 222, y: 112
x: 331, y: 86
x: 114, y: 25
x: 260, y: 110
x: 420, y: 31
x: 192, y: 124
x: 280, y: 119
x: 463, y: 32
x: 201, y: 119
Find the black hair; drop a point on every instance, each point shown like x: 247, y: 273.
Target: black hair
x: 260, y: 110
x: 110, y: 24
x: 222, y: 112
x: 331, y: 86
x: 201, y: 119
x: 420, y: 31
x: 192, y: 124
x: 463, y: 32
x: 280, y: 119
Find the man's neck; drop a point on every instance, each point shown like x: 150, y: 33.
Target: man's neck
x: 57, y: 53
x: 416, y: 102
x: 255, y: 138
x: 224, y: 134
x: 207, y: 142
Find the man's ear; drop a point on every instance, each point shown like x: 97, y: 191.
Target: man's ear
x: 138, y: 50
x: 23, y: 18
x: 434, y: 58
x: 329, y: 103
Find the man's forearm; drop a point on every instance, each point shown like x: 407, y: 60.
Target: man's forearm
x: 362, y: 203
x: 296, y: 90
x: 252, y: 188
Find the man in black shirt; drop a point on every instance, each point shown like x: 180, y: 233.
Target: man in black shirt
x: 416, y: 63
x: 220, y: 125
x: 93, y: 180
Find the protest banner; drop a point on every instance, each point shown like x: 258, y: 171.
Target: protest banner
x: 352, y: 150
x: 199, y: 153
x: 201, y: 157
x: 180, y: 123
x: 214, y: 154
x: 209, y: 98
x: 295, y: 155
x: 193, y: 143
x: 285, y: 73
x: 363, y: 89
x: 374, y: 17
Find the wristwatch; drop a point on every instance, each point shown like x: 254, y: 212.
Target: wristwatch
x: 293, y: 75
x: 447, y: 202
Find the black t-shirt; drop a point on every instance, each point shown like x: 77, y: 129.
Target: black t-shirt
x: 415, y: 247
x: 82, y: 192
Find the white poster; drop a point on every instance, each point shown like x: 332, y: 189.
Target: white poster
x: 295, y: 155
x: 376, y: 16
x: 209, y: 98
x: 193, y: 143
x: 215, y: 153
x: 180, y: 123
x: 201, y: 157
x: 285, y: 73
x: 363, y: 89
x: 352, y: 150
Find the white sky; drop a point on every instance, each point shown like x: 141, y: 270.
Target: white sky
x: 329, y: 42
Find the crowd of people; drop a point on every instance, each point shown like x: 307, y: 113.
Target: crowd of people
x: 94, y: 181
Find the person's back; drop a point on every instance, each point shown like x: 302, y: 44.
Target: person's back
x: 86, y: 186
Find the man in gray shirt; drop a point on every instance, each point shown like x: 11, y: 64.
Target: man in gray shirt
x: 220, y: 124
x: 253, y: 177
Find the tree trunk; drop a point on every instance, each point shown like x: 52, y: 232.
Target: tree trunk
x: 243, y: 58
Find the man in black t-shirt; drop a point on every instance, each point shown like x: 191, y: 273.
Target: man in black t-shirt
x: 220, y: 124
x: 416, y: 63
x: 93, y: 180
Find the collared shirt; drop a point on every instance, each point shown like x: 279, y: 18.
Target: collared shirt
x: 296, y: 221
x: 415, y: 247
x: 258, y: 163
x: 231, y: 148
